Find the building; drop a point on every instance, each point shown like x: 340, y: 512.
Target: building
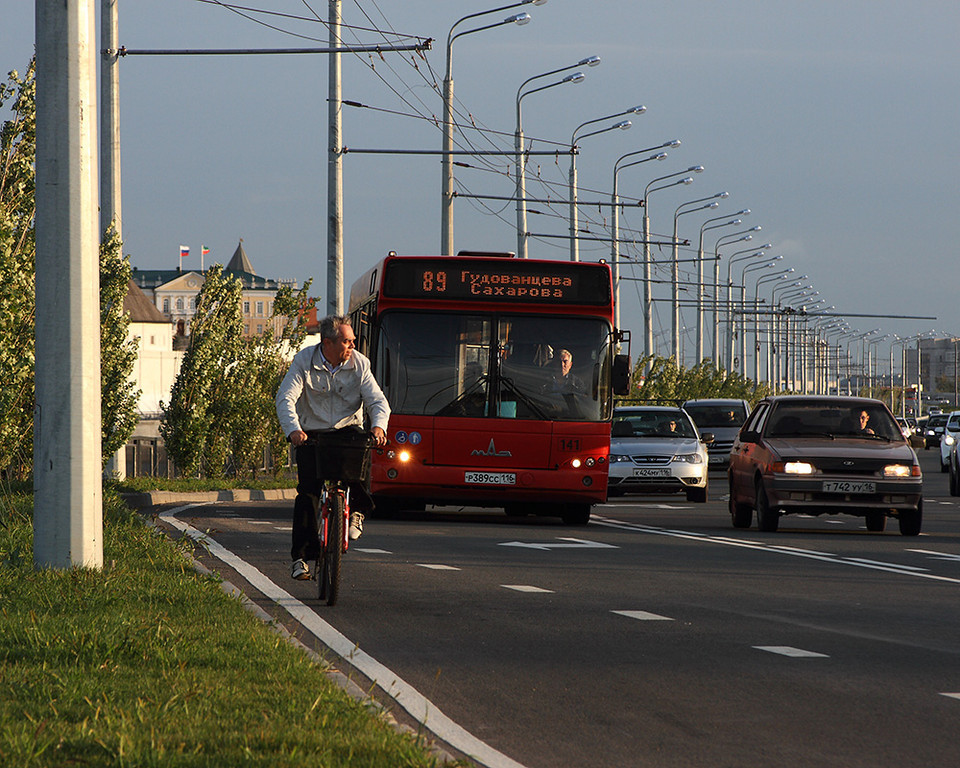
x: 174, y: 293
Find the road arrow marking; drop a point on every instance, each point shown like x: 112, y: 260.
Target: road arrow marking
x: 570, y: 544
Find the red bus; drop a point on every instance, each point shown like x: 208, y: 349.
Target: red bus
x: 467, y: 350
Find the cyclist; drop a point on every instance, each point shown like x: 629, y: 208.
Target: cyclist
x: 327, y: 387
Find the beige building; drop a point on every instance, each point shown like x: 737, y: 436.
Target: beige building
x: 174, y: 294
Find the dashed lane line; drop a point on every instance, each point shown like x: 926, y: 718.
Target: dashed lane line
x: 793, y: 653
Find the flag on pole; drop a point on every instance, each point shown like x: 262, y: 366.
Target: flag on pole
x: 204, y: 250
x: 184, y: 251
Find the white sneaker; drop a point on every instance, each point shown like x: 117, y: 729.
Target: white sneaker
x: 356, y: 525
x: 300, y: 570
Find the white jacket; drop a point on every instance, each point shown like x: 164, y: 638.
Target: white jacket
x: 310, y: 397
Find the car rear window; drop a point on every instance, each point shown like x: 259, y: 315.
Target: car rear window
x: 717, y: 415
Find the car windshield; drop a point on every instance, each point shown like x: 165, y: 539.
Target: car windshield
x: 651, y: 424
x: 819, y: 419
x: 936, y: 421
x: 714, y: 416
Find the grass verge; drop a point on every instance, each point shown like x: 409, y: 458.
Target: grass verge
x: 148, y: 663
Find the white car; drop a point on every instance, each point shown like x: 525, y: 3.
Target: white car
x: 951, y: 434
x: 657, y: 449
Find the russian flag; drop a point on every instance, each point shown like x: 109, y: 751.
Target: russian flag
x: 184, y: 251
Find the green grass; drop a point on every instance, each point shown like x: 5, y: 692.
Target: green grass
x: 148, y: 663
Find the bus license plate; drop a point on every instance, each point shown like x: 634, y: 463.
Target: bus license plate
x: 845, y: 486
x: 490, y: 478
x: 662, y: 472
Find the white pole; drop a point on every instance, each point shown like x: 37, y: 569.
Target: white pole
x: 334, y: 172
x: 68, y: 506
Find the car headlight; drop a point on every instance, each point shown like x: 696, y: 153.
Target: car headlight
x: 897, y: 470
x: 617, y: 457
x: 689, y: 458
x: 949, y: 439
x: 798, y: 468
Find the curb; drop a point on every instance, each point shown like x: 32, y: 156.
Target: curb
x: 155, y: 498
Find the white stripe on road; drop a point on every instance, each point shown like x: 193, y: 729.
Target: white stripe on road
x: 525, y: 588
x: 793, y: 653
x: 903, y: 570
x: 414, y: 702
x: 643, y: 615
x: 438, y: 567
x: 951, y: 695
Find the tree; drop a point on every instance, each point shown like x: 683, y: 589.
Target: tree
x: 118, y: 352
x: 17, y: 250
x: 666, y: 382
x: 194, y: 423
x: 221, y: 414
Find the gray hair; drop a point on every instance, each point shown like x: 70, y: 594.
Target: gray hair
x: 330, y: 326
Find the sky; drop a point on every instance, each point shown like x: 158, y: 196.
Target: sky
x: 836, y: 123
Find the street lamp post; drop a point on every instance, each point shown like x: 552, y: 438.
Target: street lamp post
x: 743, y: 316
x: 781, y: 275
x: 748, y: 253
x: 446, y: 203
x: 711, y: 202
x: 614, y: 215
x: 574, y: 214
x: 576, y: 77
x: 647, y: 259
x: 735, y: 237
x: 700, y: 284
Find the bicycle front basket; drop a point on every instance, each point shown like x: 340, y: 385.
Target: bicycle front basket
x: 344, y: 455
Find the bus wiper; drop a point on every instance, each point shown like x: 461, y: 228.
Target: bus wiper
x: 450, y: 408
x: 508, y: 383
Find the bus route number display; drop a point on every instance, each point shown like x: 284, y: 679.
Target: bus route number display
x: 511, y: 281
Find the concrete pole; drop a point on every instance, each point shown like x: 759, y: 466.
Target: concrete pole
x: 110, y: 195
x: 68, y: 506
x: 334, y: 171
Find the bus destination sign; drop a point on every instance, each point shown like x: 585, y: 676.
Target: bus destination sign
x: 498, y: 280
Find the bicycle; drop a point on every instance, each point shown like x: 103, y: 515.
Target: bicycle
x: 342, y: 457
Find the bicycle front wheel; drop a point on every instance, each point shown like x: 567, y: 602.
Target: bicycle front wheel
x: 331, y: 556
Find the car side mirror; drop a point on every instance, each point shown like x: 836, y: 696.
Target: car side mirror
x: 621, y: 374
x: 707, y: 437
x: 749, y: 436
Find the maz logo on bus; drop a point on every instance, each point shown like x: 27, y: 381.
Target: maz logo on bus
x: 491, y: 451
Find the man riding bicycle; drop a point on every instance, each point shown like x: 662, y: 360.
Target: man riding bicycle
x: 327, y: 388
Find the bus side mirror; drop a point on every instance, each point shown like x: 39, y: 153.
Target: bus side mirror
x: 621, y: 374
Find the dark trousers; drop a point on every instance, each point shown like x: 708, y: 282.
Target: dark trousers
x: 306, y: 545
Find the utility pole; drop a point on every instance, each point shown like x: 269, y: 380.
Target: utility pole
x: 334, y: 170
x: 110, y: 195
x: 68, y: 505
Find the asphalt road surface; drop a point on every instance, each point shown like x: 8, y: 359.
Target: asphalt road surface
x: 658, y: 635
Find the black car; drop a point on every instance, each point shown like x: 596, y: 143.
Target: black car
x: 933, y: 430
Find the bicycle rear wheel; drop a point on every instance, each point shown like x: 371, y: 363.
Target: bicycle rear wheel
x: 332, y: 550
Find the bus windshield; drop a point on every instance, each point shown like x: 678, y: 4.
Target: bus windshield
x: 534, y: 367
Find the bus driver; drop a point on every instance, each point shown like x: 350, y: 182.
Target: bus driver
x: 326, y: 388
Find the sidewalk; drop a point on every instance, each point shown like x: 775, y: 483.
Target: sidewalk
x: 154, y: 498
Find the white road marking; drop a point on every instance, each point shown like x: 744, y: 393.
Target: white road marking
x: 951, y: 695
x: 260, y: 522
x: 567, y: 543
x: 526, y: 588
x: 938, y: 555
x: 877, y: 562
x: 438, y: 567
x: 643, y: 615
x: 408, y: 697
x: 759, y: 546
x: 372, y: 551
x: 794, y: 653
x: 286, y: 528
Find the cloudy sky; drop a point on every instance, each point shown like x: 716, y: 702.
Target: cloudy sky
x: 836, y: 123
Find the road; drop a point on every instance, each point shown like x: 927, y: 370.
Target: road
x: 658, y: 635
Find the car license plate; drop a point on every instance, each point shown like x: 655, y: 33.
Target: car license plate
x: 660, y: 472
x: 845, y: 486
x: 490, y: 478
x: 717, y: 459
